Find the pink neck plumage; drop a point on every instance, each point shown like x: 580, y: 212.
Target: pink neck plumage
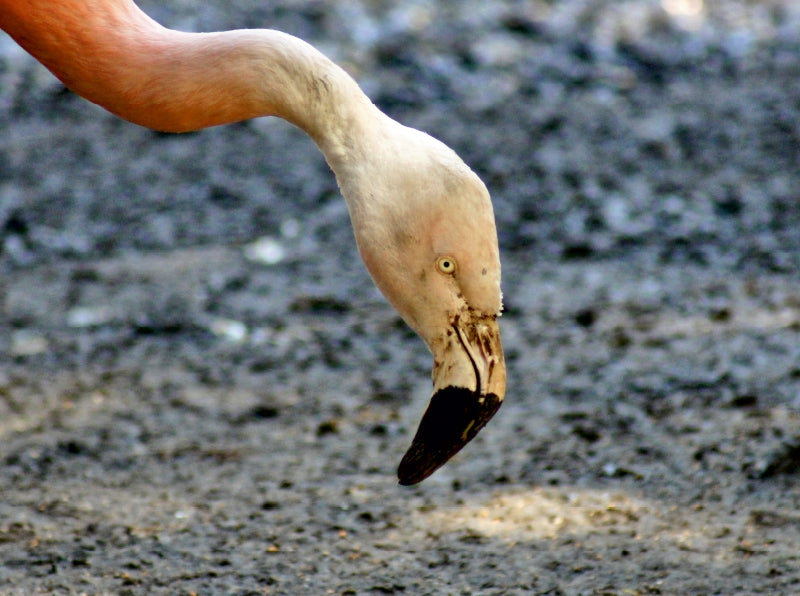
x: 113, y: 54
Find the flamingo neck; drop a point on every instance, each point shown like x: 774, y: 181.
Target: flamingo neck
x: 113, y: 54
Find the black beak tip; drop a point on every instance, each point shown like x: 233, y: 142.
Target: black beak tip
x: 453, y: 418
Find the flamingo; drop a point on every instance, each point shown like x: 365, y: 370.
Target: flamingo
x: 422, y: 220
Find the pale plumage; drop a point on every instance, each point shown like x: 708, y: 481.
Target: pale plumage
x: 422, y: 219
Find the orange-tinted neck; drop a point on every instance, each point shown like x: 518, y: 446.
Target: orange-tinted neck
x: 113, y: 54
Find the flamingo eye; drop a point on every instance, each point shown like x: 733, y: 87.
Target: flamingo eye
x: 446, y: 265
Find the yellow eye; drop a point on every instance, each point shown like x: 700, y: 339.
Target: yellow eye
x: 446, y: 265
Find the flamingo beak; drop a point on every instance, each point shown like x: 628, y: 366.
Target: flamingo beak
x: 469, y: 384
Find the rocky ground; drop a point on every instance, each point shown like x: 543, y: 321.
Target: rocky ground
x: 202, y: 392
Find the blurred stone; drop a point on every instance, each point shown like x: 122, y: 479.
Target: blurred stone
x: 266, y: 250
x: 88, y: 316
x: 230, y: 330
x: 25, y: 342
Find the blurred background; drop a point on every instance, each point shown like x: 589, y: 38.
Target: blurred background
x: 199, y: 383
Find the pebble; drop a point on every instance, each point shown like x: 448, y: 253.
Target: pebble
x: 266, y: 251
x: 88, y: 316
x: 26, y: 342
x: 229, y: 330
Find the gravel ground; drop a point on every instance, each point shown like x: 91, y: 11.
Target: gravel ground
x: 202, y: 392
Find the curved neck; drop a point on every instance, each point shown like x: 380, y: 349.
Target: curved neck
x: 113, y: 54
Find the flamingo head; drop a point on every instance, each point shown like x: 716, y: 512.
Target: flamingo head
x: 425, y: 228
